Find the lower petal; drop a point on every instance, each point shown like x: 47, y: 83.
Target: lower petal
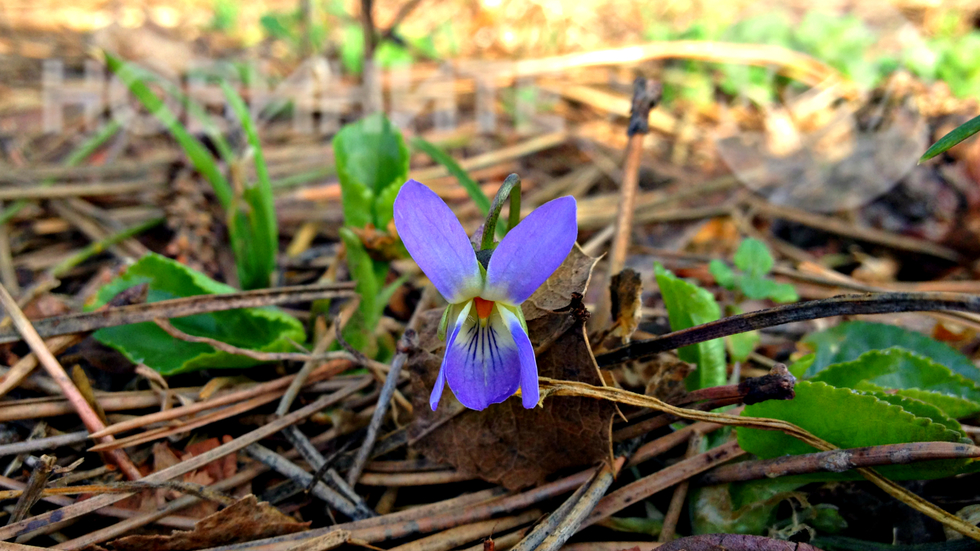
x: 482, y: 363
x: 529, y: 365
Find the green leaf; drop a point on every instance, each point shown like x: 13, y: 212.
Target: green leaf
x: 263, y: 329
x: 199, y: 156
x: 689, y: 305
x: 848, y: 419
x: 634, y: 525
x: 800, y: 366
x: 847, y: 341
x: 369, y: 276
x: 900, y: 369
x: 372, y: 163
x: 914, y: 406
x: 756, y: 287
x: 955, y: 136
x: 741, y: 508
x: 352, y: 48
x: 952, y: 406
x: 783, y: 293
x: 753, y: 258
x: 723, y: 275
x: 256, y: 250
x: 741, y: 345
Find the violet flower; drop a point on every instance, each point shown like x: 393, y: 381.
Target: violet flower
x: 488, y: 353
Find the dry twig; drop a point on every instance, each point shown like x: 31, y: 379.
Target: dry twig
x: 54, y: 369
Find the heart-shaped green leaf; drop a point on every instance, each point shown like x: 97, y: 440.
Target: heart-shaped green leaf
x: 264, y: 329
x: 849, y: 418
x: 849, y: 340
x: 372, y: 164
x: 911, y: 375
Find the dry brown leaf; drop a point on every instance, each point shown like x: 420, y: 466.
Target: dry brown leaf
x: 506, y: 443
x: 669, y: 374
x: 556, y: 293
x: 246, y: 520
x: 326, y: 542
x: 625, y: 290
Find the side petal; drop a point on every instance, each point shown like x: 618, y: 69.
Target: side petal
x: 453, y: 333
x: 437, y: 242
x: 531, y: 252
x: 529, y: 365
x: 483, y: 366
x: 438, y: 387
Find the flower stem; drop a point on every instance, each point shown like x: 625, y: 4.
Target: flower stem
x: 512, y: 187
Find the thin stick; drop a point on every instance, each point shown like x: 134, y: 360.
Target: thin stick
x: 645, y: 95
x: 183, y: 523
x: 680, y: 493
x: 323, y: 372
x: 840, y: 227
x: 179, y: 469
x: 54, y: 369
x: 101, y: 245
x: 454, y: 537
x: 345, y: 489
x: 403, y: 12
x: 196, y: 490
x: 839, y: 461
x: 295, y: 473
x: 325, y: 341
x: 8, y: 274
x: 181, y: 428
x: 533, y: 539
x: 49, y: 443
x: 408, y: 341
x: 384, y: 399
x: 664, y: 443
x: 429, y: 478
x: 32, y: 492
x: 845, y: 305
x: 502, y: 543
x: 180, y: 307
x: 581, y: 508
x: 571, y: 388
x: 253, y: 354
x: 242, y: 478
x: 24, y: 366
x: 662, y: 479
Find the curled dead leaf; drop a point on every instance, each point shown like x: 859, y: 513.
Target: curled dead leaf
x: 571, y: 278
x: 246, y: 520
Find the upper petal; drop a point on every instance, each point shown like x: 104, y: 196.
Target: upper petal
x: 437, y: 242
x: 483, y: 365
x: 531, y: 252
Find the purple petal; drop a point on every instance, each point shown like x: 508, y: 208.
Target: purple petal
x: 437, y: 242
x: 529, y: 365
x: 483, y: 366
x: 441, y: 377
x: 439, y: 387
x: 531, y: 252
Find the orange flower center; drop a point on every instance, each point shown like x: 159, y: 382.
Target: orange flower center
x: 483, y: 307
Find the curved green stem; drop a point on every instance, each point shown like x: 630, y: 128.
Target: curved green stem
x: 511, y: 187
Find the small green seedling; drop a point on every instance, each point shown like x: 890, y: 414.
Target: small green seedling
x: 754, y: 264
